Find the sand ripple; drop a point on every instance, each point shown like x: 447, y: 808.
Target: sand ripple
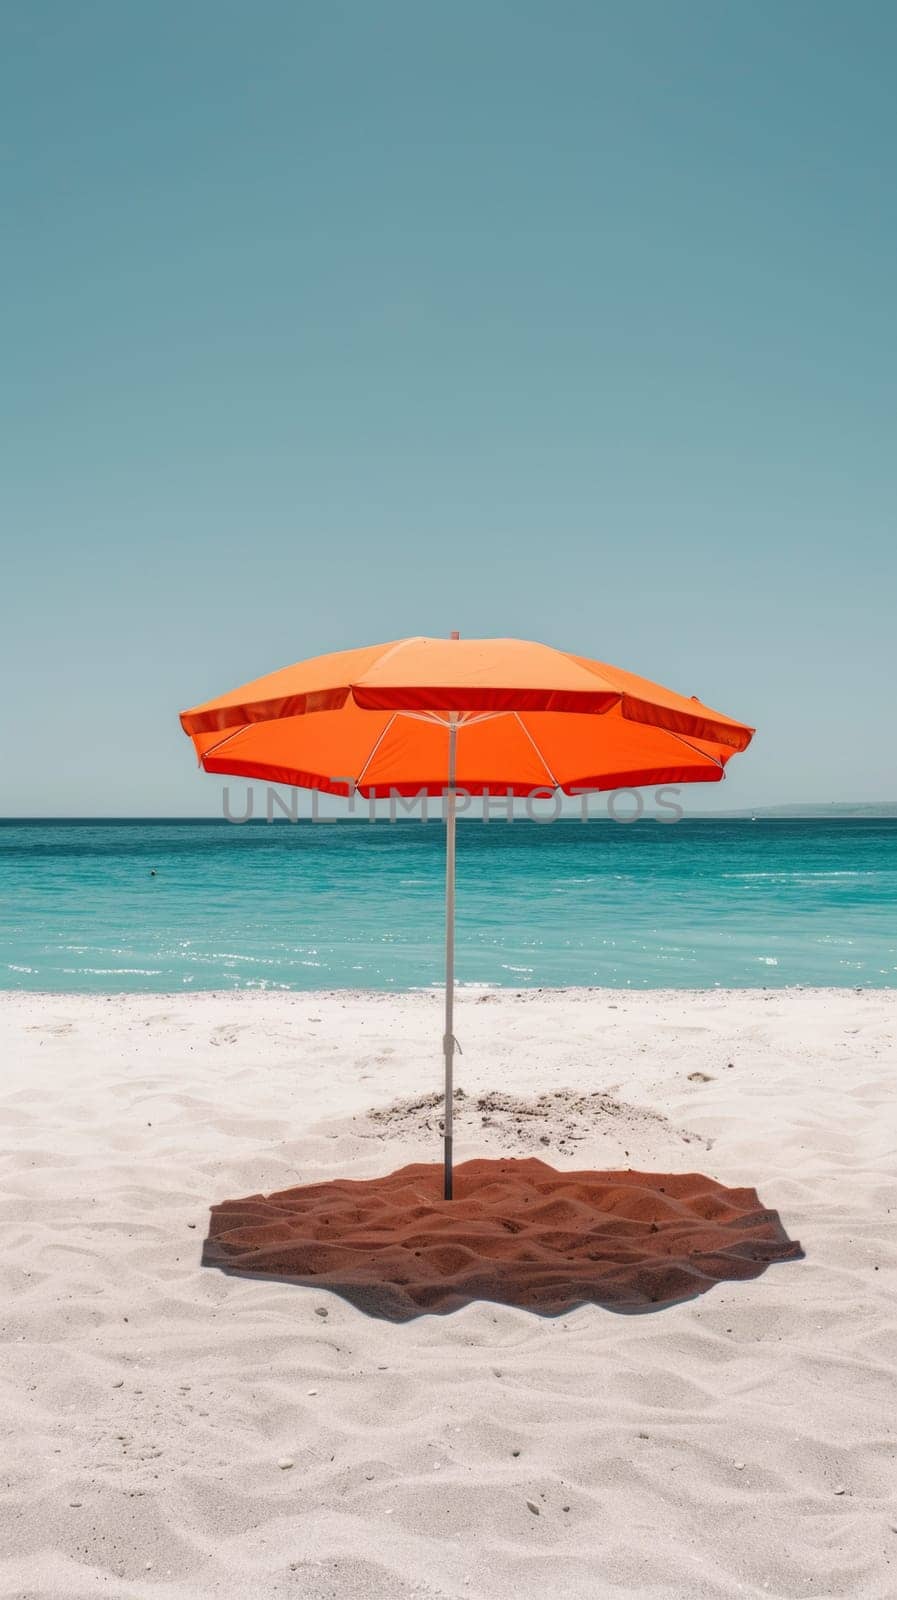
x: 737, y: 1446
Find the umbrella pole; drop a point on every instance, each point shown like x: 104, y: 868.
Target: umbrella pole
x: 448, y: 1037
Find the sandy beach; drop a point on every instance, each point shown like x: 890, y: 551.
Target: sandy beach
x: 175, y: 1431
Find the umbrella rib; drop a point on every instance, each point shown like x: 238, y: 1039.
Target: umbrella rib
x: 554, y: 781
x: 227, y: 737
x: 713, y: 760
x: 432, y: 717
x: 693, y: 747
x: 467, y: 719
x: 374, y: 748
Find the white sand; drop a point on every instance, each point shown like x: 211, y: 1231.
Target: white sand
x: 146, y: 1402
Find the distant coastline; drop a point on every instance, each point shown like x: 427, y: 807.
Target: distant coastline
x: 829, y: 811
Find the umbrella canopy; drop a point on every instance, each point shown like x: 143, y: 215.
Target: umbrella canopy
x: 496, y: 751
x: 463, y: 675
x: 481, y: 715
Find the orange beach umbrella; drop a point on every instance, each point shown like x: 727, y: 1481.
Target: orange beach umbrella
x: 486, y: 716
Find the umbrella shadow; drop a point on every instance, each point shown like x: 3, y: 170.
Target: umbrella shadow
x: 518, y: 1233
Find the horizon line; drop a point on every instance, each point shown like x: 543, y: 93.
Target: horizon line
x: 741, y: 812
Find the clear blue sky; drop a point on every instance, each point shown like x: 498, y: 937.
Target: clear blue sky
x: 327, y: 323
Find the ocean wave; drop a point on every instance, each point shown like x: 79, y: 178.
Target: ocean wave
x: 117, y: 972
x: 803, y: 875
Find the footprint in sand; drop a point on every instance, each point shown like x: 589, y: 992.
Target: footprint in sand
x: 227, y: 1033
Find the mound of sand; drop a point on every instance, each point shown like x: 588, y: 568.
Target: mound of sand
x: 558, y: 1119
x: 518, y: 1232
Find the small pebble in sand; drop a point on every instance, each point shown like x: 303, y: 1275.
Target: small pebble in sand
x: 740, y: 1466
x: 75, y: 1504
x: 147, y: 1566
x: 312, y: 1391
x: 119, y: 1383
x: 285, y: 1463
x: 839, y: 1489
x: 565, y: 1508
x: 321, y: 1311
x: 515, y: 1452
x: 531, y: 1506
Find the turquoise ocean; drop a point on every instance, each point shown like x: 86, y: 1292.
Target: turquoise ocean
x: 113, y: 906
